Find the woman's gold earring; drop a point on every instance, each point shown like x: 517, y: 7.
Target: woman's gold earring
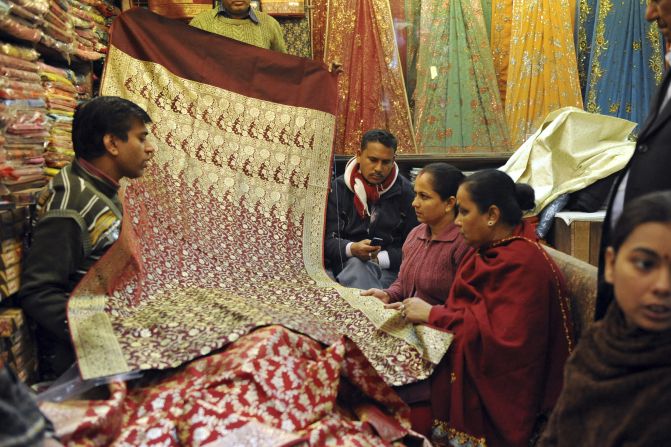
x: 490, y: 223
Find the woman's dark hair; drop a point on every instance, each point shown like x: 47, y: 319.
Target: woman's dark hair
x: 101, y: 116
x: 445, y: 179
x: 493, y: 187
x: 652, y: 207
x: 387, y: 139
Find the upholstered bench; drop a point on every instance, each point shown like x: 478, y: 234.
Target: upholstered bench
x: 581, y: 282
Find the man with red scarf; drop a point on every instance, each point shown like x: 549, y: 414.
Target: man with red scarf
x: 369, y: 215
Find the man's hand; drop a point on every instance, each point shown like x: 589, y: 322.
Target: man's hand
x: 414, y: 310
x: 377, y: 293
x: 364, y: 251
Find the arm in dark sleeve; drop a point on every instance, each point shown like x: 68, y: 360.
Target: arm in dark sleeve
x: 56, y: 252
x: 335, y: 244
x: 409, y: 222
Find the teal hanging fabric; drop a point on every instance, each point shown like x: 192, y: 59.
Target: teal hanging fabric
x: 626, y: 60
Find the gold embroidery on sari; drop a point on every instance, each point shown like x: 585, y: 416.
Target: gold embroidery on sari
x: 264, y: 163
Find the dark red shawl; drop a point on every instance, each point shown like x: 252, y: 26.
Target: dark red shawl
x: 617, y: 388
x: 508, y: 309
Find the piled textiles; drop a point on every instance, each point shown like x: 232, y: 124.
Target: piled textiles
x: 91, y: 19
x: 24, y: 127
x: 71, y: 27
x: 62, y: 94
x: 17, y: 348
x: 12, y: 227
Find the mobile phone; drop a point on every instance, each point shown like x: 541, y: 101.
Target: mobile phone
x: 376, y: 242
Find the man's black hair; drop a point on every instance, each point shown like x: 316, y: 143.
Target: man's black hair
x: 101, y: 116
x: 381, y: 136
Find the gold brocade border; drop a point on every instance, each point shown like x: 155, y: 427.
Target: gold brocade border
x: 98, y: 351
x: 582, y: 52
x: 500, y: 42
x: 656, y: 61
x: 599, y: 45
x: 258, y: 154
x: 431, y: 343
x: 443, y: 432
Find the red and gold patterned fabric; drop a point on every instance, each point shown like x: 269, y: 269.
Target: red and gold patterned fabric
x: 272, y: 387
x: 224, y: 232
x: 360, y: 36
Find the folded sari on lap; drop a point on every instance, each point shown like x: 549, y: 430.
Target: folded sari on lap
x: 224, y: 232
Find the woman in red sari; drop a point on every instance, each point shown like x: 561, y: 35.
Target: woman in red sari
x: 508, y: 311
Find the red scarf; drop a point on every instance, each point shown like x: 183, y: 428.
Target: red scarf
x: 364, y: 192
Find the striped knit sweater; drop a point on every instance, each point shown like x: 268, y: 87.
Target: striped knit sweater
x: 266, y: 34
x: 79, y: 218
x: 90, y: 201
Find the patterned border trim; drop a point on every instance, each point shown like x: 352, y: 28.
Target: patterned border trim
x: 442, y: 431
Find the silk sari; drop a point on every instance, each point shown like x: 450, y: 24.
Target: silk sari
x: 371, y: 90
x: 626, y: 63
x: 272, y: 387
x: 457, y: 104
x: 406, y: 15
x: 542, y: 73
x: 500, y: 31
x: 224, y: 232
x: 318, y: 28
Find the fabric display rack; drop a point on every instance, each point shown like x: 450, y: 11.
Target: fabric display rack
x: 47, y: 52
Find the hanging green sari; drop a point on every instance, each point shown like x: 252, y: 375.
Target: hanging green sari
x: 457, y: 105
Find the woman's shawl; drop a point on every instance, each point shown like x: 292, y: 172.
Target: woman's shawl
x: 509, y: 313
x: 617, y: 388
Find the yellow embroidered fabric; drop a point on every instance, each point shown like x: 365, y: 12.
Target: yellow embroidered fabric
x: 542, y: 73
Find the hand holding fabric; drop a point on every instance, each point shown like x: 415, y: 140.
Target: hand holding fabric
x: 377, y: 293
x: 414, y: 310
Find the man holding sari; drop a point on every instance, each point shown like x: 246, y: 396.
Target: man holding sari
x: 236, y: 19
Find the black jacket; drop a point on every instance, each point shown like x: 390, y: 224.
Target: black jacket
x: 393, y: 218
x: 648, y: 172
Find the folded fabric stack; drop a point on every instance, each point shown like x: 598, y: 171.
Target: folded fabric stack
x: 92, y: 19
x: 24, y: 127
x: 61, y: 98
x: 58, y: 30
x: 17, y: 347
x: 22, y: 19
x: 13, y: 224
